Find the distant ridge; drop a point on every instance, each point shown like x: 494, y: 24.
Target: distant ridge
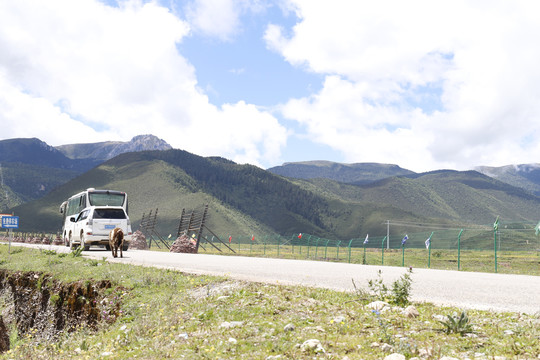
x: 30, y: 168
x: 526, y: 176
x: 107, y: 150
x: 358, y: 173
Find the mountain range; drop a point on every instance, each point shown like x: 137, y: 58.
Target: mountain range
x: 30, y: 168
x: 318, y: 197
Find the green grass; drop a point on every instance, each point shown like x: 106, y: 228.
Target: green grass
x: 508, y: 262
x: 168, y: 314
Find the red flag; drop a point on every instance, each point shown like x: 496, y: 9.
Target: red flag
x: 300, y: 235
x: 230, y: 239
x: 252, y: 237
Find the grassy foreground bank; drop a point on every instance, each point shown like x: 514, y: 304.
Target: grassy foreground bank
x: 168, y: 314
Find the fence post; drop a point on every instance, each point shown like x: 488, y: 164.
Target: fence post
x: 278, y: 244
x: 326, y: 249
x: 459, y: 250
x: 309, y: 238
x: 317, y: 247
x: 337, y: 252
x: 350, y: 242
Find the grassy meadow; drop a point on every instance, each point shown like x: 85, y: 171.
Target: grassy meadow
x: 169, y: 314
x: 508, y: 262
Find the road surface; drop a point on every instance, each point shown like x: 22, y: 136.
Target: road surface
x: 467, y: 290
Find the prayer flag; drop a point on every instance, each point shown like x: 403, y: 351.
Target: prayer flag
x: 404, y: 240
x: 366, y: 240
x: 496, y: 224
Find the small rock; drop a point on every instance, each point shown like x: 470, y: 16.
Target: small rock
x: 378, y: 305
x: 233, y: 341
x: 395, y: 356
x: 375, y: 345
x: 106, y: 353
x: 448, y: 358
x: 338, y: 319
x: 424, y: 353
x: 183, y: 336
x: 232, y: 324
x: 508, y: 332
x: 273, y: 357
x: 313, y: 345
x: 440, y: 317
x: 411, y: 311
x: 386, y: 347
x: 289, y: 327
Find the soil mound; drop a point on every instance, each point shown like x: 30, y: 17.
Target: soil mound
x: 138, y: 241
x: 184, y: 245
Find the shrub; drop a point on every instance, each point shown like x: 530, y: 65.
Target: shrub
x: 457, y: 324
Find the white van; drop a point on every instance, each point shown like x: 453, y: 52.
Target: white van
x: 93, y: 225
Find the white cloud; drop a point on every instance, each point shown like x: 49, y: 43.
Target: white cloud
x: 220, y: 18
x: 479, y: 58
x: 82, y: 71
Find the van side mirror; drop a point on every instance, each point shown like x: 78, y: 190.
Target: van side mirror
x: 72, y: 219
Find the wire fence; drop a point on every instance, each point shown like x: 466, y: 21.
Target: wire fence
x: 403, y: 246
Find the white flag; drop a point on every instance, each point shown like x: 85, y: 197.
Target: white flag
x: 366, y: 240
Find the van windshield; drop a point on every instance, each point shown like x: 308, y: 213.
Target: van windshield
x: 106, y: 198
x: 109, y: 214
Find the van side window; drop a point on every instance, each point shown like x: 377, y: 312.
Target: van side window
x: 82, y: 202
x: 83, y: 215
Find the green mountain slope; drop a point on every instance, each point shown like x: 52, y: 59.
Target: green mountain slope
x: 247, y: 200
x: 20, y: 183
x: 243, y: 199
x: 450, y: 196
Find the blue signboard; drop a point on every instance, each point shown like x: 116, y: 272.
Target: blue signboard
x: 10, y: 222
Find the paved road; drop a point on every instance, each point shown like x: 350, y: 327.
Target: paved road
x: 499, y: 292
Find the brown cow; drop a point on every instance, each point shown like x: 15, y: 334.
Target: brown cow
x: 116, y: 241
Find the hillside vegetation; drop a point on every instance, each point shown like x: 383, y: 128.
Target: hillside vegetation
x: 245, y: 199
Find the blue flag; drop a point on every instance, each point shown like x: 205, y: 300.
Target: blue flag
x: 366, y: 240
x: 404, y: 240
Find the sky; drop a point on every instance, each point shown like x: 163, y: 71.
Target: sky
x: 425, y: 85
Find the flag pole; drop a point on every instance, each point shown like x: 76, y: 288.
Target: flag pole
x: 403, y: 249
x: 382, y: 248
x: 364, y: 259
x: 429, y: 250
x: 495, y: 228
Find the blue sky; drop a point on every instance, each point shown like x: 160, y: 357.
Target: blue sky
x: 267, y: 82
